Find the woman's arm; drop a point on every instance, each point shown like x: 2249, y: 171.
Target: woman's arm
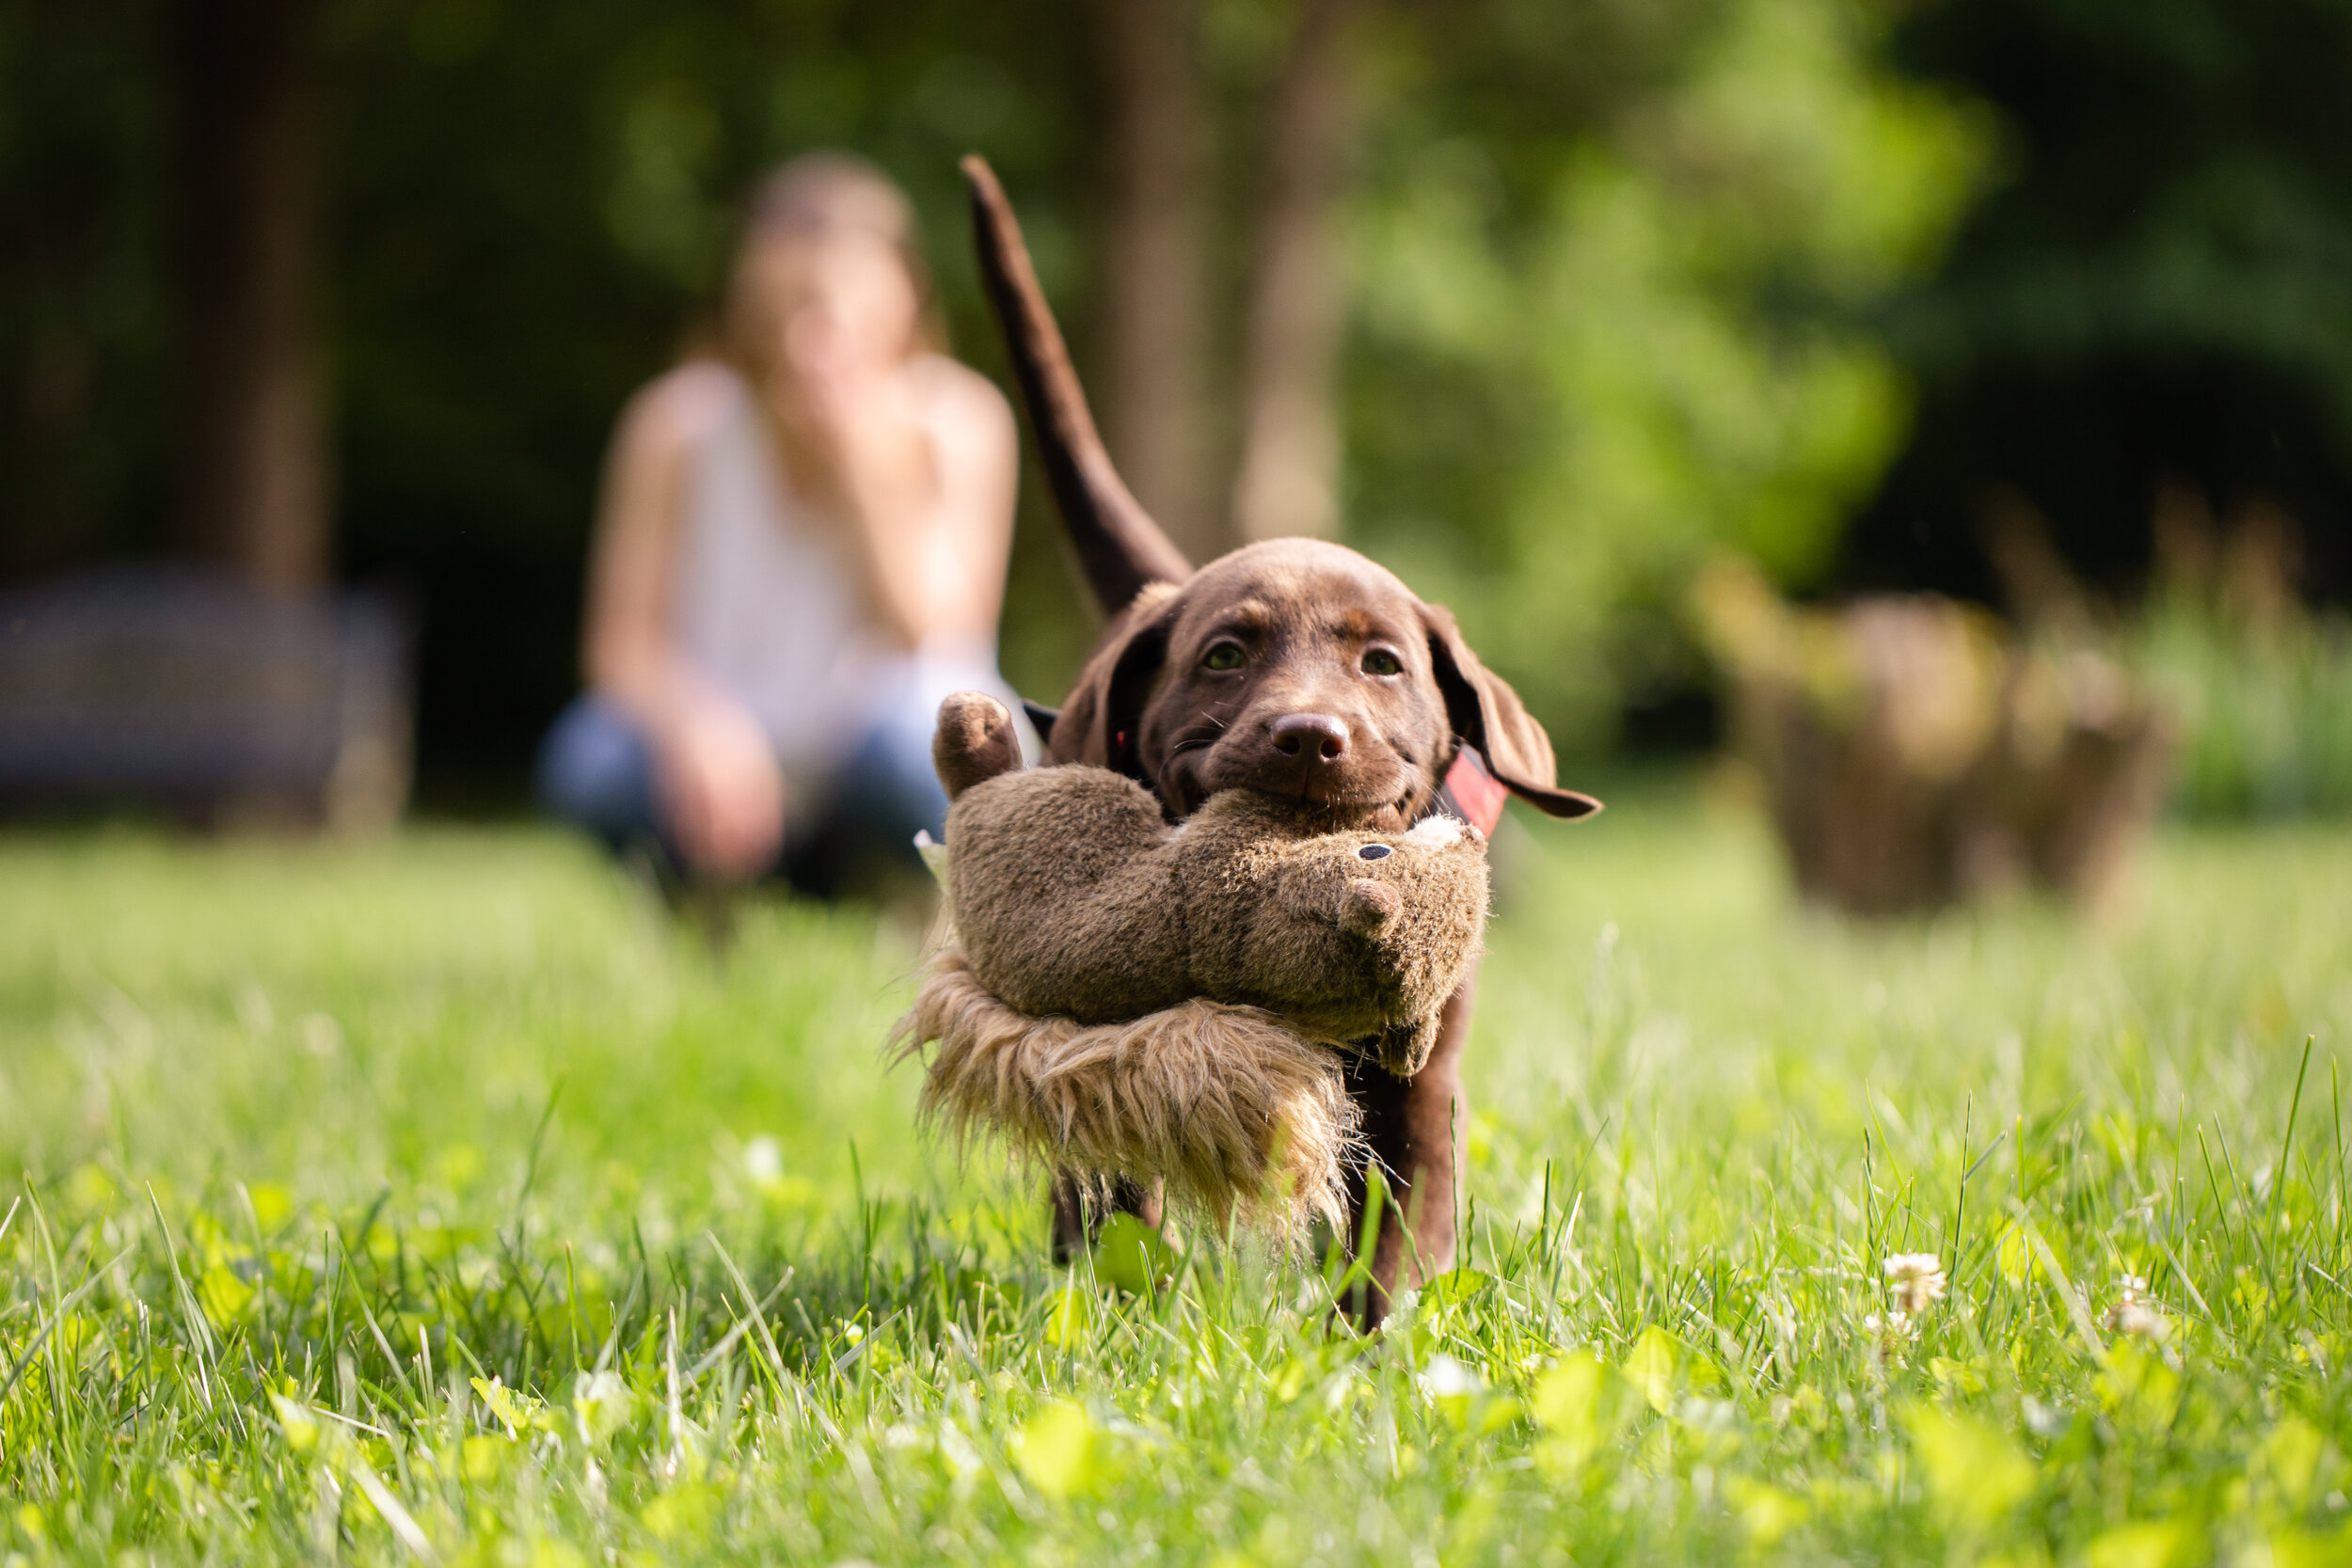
x: 628, y: 651
x: 959, y: 569
x: 719, y: 785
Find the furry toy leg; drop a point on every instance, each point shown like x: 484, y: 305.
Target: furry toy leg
x: 1237, y: 1114
x: 975, y: 741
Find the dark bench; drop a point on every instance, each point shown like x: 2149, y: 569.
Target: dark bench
x: 203, y: 697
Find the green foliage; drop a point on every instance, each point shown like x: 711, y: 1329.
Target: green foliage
x: 1633, y: 281
x: 84, y: 330
x: 1675, y: 335
x: 2264, y: 711
x: 1613, y: 265
x: 535, y: 203
x: 437, y: 1199
x: 2147, y: 296
x: 2221, y: 229
x: 530, y: 206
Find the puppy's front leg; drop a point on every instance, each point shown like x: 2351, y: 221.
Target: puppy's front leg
x: 1411, y: 1126
x: 1079, y: 1217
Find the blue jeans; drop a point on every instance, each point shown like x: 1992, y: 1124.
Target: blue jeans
x: 596, y: 773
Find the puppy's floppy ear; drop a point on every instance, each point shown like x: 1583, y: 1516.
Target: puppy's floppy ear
x: 1489, y: 715
x: 1099, y: 724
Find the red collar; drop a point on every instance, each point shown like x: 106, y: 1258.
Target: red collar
x: 1477, y: 797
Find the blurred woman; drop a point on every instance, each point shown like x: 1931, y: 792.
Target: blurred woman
x: 802, y: 550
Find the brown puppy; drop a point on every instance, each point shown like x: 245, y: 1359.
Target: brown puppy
x: 1293, y: 667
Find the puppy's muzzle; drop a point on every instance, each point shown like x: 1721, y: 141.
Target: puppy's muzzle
x: 1309, y: 750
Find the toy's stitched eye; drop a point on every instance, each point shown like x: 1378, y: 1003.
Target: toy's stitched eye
x: 1375, y: 852
x: 1224, y: 656
x: 1381, y: 661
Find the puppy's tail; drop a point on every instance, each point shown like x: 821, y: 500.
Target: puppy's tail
x: 1117, y: 543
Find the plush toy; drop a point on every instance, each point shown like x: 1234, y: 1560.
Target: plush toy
x: 1073, y: 897
x: 1148, y: 1000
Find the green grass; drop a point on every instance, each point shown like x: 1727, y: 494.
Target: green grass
x: 407, y: 1202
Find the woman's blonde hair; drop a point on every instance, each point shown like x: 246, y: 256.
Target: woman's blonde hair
x: 820, y: 196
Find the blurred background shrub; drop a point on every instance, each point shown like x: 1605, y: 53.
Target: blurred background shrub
x: 1545, y: 302
x: 2260, y: 682
x: 1671, y: 340
x: 2267, y: 717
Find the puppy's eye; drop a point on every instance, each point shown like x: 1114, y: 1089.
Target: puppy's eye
x: 1381, y: 661
x: 1223, y: 655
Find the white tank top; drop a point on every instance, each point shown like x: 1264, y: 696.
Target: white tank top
x: 768, y: 607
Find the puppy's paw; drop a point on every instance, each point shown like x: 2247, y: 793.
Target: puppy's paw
x: 1403, y: 1047
x: 975, y: 741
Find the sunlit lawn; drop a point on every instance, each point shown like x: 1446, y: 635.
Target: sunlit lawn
x: 439, y: 1199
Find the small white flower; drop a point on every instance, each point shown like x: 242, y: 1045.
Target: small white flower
x: 763, y: 1160
x: 957, y: 1450
x: 2134, y: 1313
x: 1446, y: 1378
x: 1895, y: 1325
x: 2047, y: 1421
x: 1890, y: 1337
x: 321, y: 1034
x: 602, y: 1404
x: 1914, y: 1280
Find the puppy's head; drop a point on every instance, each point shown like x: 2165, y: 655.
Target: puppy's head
x: 1291, y: 667
x: 1301, y: 669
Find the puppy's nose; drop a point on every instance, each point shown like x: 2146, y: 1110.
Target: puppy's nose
x: 1315, y: 737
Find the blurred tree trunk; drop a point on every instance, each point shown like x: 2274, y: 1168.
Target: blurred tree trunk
x: 252, y: 480
x: 1289, y: 474
x: 1158, y: 340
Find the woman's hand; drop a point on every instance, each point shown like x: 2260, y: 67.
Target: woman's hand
x: 856, y: 438
x: 919, y: 462
x: 721, y: 790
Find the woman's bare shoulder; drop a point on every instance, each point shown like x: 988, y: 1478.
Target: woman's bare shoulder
x: 677, y: 410
x: 960, y: 399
